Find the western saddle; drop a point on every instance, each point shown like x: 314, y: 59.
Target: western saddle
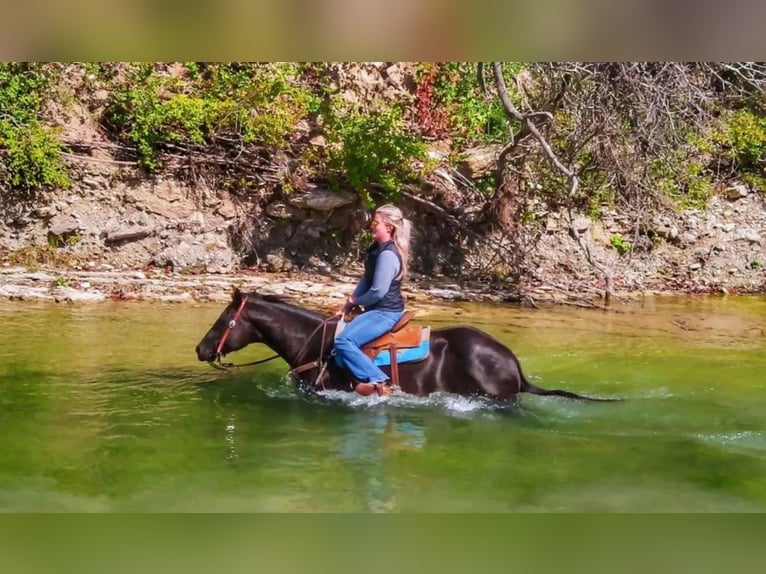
x: 402, y: 336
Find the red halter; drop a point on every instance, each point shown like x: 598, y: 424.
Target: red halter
x: 232, y: 324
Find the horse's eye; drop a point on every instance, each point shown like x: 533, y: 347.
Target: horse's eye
x: 232, y: 324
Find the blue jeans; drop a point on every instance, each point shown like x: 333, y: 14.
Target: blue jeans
x: 363, y: 329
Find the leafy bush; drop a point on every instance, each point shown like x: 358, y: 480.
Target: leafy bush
x: 683, y: 178
x: 372, y: 147
x: 30, y: 151
x: 452, y: 90
x: 743, y: 142
x: 620, y: 244
x: 249, y: 103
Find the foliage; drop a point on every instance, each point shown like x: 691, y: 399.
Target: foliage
x: 684, y: 179
x: 621, y: 245
x: 742, y: 141
x: 30, y: 150
x: 206, y: 103
x: 451, y: 102
x: 34, y: 256
x: 372, y: 148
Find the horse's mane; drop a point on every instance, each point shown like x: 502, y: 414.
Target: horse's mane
x: 271, y: 298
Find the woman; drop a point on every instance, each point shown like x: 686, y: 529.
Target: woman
x: 379, y: 292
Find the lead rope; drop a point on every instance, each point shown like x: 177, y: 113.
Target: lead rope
x: 320, y: 362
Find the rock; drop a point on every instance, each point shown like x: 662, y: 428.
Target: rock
x: 318, y: 141
x: 728, y: 227
x: 21, y: 292
x: 551, y: 225
x: 277, y: 262
x: 163, y: 200
x: 395, y: 75
x: 64, y: 225
x: 321, y: 200
x: 477, y: 162
x: 211, y: 255
x: 45, y: 212
x: 61, y: 294
x: 40, y: 276
x: 751, y: 236
x: 687, y: 238
x: 580, y: 225
x: 94, y: 183
x: 695, y: 266
x: 448, y: 294
x: 665, y: 228
x: 129, y: 234
x: 736, y: 191
x: 279, y: 210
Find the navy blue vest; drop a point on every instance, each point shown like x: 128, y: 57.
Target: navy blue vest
x: 393, y: 300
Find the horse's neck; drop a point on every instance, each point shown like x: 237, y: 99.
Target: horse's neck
x: 291, y: 332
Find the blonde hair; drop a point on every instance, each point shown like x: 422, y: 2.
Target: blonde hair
x: 402, y: 229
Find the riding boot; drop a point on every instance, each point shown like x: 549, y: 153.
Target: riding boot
x: 382, y: 389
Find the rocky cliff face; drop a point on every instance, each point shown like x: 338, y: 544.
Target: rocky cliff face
x: 107, y: 223
x: 115, y: 217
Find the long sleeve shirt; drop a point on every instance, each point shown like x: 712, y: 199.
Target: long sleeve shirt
x: 387, y: 267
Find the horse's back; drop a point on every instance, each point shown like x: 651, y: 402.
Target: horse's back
x: 465, y: 334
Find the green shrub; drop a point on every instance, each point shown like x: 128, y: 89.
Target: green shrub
x: 248, y: 103
x: 743, y: 141
x: 683, y: 178
x: 30, y: 152
x: 453, y: 90
x: 621, y: 245
x: 373, y: 147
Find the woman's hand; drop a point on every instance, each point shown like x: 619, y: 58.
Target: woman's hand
x: 347, y: 306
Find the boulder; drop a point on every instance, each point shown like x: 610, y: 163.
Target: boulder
x: 320, y: 199
x: 736, y: 191
x: 129, y: 234
x: 580, y: 225
x: 211, y: 255
x: 64, y: 225
x: 477, y: 162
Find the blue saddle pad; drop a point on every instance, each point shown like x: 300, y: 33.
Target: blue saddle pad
x: 410, y: 355
x: 404, y: 355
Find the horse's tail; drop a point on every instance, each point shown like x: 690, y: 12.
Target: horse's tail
x: 528, y: 387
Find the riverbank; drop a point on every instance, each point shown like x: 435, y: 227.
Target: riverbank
x: 312, y: 289
x: 315, y: 290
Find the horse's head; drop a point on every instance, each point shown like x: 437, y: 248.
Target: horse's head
x: 230, y: 332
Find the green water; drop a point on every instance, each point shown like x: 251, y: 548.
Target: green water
x: 103, y: 407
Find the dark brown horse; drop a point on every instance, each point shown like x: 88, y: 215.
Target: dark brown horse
x: 463, y: 360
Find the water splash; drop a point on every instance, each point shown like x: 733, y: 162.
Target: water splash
x: 456, y: 405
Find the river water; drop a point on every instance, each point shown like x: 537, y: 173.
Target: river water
x: 104, y: 407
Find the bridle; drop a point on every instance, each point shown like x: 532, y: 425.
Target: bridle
x: 230, y: 327
x: 321, y: 363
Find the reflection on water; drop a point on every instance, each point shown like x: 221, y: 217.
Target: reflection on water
x: 366, y: 442
x: 105, y: 408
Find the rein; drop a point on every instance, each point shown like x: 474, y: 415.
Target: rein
x: 320, y: 362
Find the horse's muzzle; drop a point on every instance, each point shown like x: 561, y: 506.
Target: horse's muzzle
x: 205, y: 354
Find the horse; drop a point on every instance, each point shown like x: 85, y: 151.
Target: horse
x: 463, y: 360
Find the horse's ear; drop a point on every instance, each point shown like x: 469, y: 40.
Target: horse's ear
x: 236, y: 296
